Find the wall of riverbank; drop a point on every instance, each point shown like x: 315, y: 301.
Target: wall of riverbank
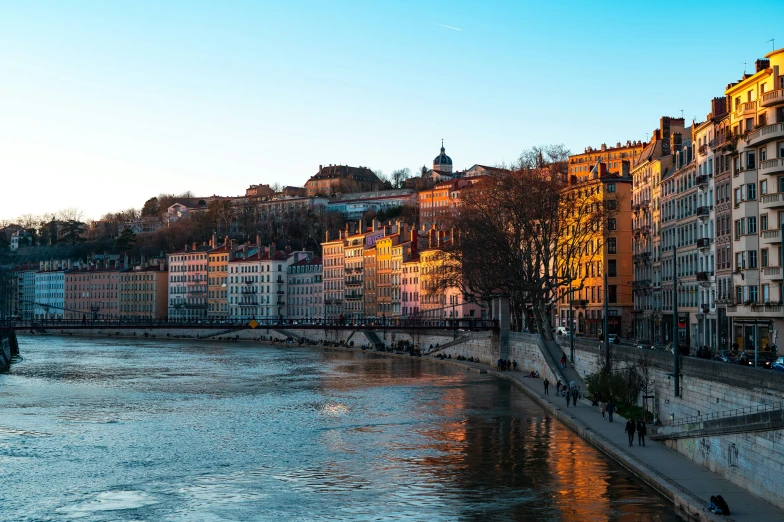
x: 5, y: 349
x: 752, y: 457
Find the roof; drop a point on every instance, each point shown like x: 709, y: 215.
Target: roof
x: 307, y: 262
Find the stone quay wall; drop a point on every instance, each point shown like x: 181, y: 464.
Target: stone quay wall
x: 754, y: 460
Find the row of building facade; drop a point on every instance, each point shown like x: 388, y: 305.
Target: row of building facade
x: 699, y: 224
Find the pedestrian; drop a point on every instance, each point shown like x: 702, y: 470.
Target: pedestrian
x: 575, y: 394
x: 595, y: 401
x: 610, y: 409
x: 514, y: 365
x: 641, y: 432
x: 604, y: 408
x: 563, y: 361
x: 558, y: 387
x: 568, y: 398
x: 630, y: 428
x: 546, y: 386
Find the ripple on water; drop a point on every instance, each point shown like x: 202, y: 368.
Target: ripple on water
x: 109, y: 501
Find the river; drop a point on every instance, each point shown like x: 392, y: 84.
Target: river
x: 180, y: 431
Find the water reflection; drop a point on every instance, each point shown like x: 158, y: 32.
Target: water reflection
x: 178, y: 431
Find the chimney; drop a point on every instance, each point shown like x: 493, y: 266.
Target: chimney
x: 375, y: 224
x: 386, y: 230
x: 258, y: 240
x: 226, y: 242
x: 195, y: 246
x: 625, y: 168
x: 347, y: 234
x: 441, y: 235
x: 326, y: 233
x: 602, y: 169
x: 287, y: 250
x: 761, y: 64
x: 186, y: 247
x: 719, y: 106
x: 604, y: 147
x: 452, y: 236
x: 414, y: 240
x: 675, y: 142
x: 432, y: 237
x: 214, y: 241
x: 360, y: 226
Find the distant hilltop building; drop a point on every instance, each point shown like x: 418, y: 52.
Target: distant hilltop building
x: 341, y: 178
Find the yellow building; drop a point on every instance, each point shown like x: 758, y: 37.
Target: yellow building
x: 384, y: 248
x: 217, y: 283
x: 144, y: 293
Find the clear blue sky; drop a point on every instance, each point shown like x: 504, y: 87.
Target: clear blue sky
x: 104, y: 104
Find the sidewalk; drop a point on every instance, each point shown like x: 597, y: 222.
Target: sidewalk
x: 688, y: 485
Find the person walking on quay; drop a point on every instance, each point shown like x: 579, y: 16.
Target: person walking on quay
x: 630, y: 428
x: 575, y: 394
x: 546, y: 386
x: 641, y: 432
x: 563, y: 361
x: 610, y: 409
x: 604, y: 408
x: 568, y: 396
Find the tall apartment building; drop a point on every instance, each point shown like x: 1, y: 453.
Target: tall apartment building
x: 756, y: 118
x: 92, y: 292
x: 258, y: 279
x: 610, y: 252
x: 218, y: 282
x: 25, y: 287
x: 188, y: 283
x: 353, y: 273
x: 50, y: 290
x: 646, y: 173
x: 334, y: 277
x: 400, y: 254
x: 305, y: 299
x: 384, y: 285
x: 143, y: 292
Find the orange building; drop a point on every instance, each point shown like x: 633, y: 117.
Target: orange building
x: 608, y: 251
x: 581, y: 165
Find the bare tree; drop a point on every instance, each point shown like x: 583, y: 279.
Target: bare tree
x: 70, y: 214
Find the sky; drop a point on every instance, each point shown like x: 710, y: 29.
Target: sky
x: 106, y: 104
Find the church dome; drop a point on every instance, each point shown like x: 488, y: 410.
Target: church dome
x: 442, y: 162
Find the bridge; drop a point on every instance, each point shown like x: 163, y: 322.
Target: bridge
x: 389, y: 323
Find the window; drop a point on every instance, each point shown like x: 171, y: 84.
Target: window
x: 612, y: 268
x: 752, y: 258
x: 765, y: 293
x: 751, y: 191
x: 752, y: 225
x: 611, y: 224
x: 763, y: 187
x: 611, y: 187
x: 611, y: 246
x: 764, y: 257
x: 753, y: 294
x: 751, y: 160
x: 612, y: 294
x: 780, y: 147
x: 610, y: 204
x: 740, y: 263
x: 764, y: 222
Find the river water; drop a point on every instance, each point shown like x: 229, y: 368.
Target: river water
x: 195, y: 431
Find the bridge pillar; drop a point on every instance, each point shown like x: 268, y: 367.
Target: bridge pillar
x: 504, y: 325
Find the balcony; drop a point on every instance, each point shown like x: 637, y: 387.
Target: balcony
x: 771, y: 166
x: 248, y: 290
x: 248, y: 281
x: 580, y: 303
x: 772, y: 272
x: 704, y: 242
x: 703, y: 212
x: 705, y: 308
x: 703, y: 149
x: 745, y: 108
x: 281, y: 292
x: 769, y: 99
x: 722, y: 142
x: 645, y: 203
x: 635, y: 207
x: 249, y: 302
x: 702, y: 181
x: 353, y: 297
x: 641, y: 284
x: 704, y: 278
x: 765, y: 134
x: 771, y: 201
x: 641, y: 258
x: 770, y: 237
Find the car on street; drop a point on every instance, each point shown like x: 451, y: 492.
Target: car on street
x: 562, y: 330
x: 778, y: 365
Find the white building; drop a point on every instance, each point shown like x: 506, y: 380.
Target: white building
x: 49, y: 293
x: 257, y: 284
x: 188, y: 284
x: 305, y: 297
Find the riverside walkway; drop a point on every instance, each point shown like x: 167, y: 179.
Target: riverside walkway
x: 688, y: 485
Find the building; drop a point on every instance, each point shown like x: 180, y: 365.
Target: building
x: 144, y: 291
x: 188, y: 283
x: 646, y: 173
x: 354, y: 206
x: 218, y: 281
x: 258, y: 281
x: 756, y: 120
x: 354, y: 275
x: 334, y: 179
x: 581, y: 165
x: 20, y: 238
x: 437, y: 205
x: 384, y: 246
x: 369, y: 270
x: 334, y: 277
x: 25, y: 287
x: 409, y: 286
x: 50, y: 290
x: 91, y: 292
x: 401, y: 253
x: 305, y: 299
x: 442, y: 167
x: 608, y: 251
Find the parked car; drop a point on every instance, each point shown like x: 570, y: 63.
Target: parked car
x: 778, y: 365
x: 562, y: 330
x: 765, y: 359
